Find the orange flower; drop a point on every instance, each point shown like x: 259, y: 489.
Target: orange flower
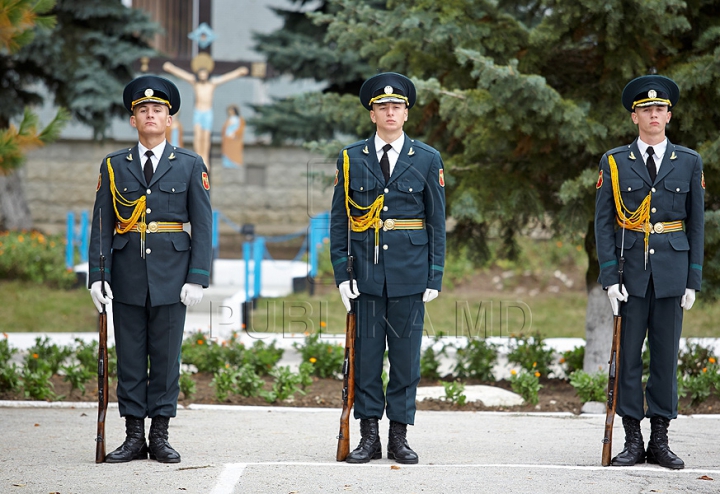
x: 323, y: 324
x: 41, y: 238
x: 21, y: 239
x: 559, y: 244
x: 313, y: 360
x: 200, y: 342
x: 537, y: 373
x: 704, y: 369
x: 562, y: 360
x: 712, y: 360
x: 534, y: 364
x: 35, y: 355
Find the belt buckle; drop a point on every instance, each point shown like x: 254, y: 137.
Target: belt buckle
x: 659, y: 227
x: 379, y: 223
x: 153, y: 227
x: 389, y: 225
x: 141, y: 227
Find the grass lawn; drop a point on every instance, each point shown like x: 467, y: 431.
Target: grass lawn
x: 28, y: 307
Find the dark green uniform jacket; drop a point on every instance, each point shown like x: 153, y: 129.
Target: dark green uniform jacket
x: 678, y: 193
x: 178, y: 192
x: 409, y: 260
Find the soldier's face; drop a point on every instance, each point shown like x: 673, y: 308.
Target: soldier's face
x: 151, y: 119
x: 389, y: 117
x: 651, y: 122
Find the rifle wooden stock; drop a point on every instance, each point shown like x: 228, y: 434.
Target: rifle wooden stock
x: 348, y: 392
x: 613, y: 373
x: 102, y: 375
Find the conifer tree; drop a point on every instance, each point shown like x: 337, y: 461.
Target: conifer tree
x: 523, y: 97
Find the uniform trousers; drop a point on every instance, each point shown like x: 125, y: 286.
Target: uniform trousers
x: 146, y: 335
x: 398, y: 323
x: 661, y: 319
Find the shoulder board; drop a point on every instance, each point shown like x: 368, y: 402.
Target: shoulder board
x: 618, y: 149
x: 419, y: 145
x: 119, y: 152
x: 184, y: 151
x: 363, y: 142
x: 683, y: 149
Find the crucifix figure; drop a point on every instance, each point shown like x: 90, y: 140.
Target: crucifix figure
x: 204, y: 88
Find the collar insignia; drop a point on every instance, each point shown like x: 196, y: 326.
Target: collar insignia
x: 673, y: 156
x: 365, y: 150
x: 632, y: 156
x: 411, y: 152
x: 172, y: 156
x: 129, y: 157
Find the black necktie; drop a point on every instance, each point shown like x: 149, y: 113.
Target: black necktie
x: 148, y: 167
x: 385, y: 162
x: 650, y: 163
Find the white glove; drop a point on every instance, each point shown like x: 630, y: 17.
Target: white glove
x: 615, y: 294
x: 430, y: 295
x: 687, y: 300
x: 345, y: 293
x: 191, y: 294
x: 97, y: 296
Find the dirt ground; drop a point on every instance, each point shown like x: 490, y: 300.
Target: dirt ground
x: 556, y: 395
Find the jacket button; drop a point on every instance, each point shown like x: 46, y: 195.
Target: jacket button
x: 652, y: 190
x: 148, y: 191
x: 677, y: 190
x: 653, y: 210
x: 148, y: 210
x: 410, y: 189
x: 652, y: 251
x: 629, y: 189
x: 125, y: 189
x: 385, y: 208
x: 148, y: 251
x: 387, y: 190
x: 173, y: 189
x: 385, y: 247
x: 362, y: 188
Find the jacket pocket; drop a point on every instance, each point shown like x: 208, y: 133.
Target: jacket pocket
x: 678, y: 190
x: 181, y: 242
x: 120, y: 241
x: 176, y: 193
x: 679, y: 241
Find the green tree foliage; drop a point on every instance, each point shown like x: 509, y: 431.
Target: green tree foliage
x: 84, y: 60
x: 523, y: 97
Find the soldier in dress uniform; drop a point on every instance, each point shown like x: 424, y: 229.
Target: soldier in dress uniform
x: 650, y: 206
x: 154, y: 268
x: 389, y: 206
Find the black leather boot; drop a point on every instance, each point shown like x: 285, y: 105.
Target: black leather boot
x: 398, y: 448
x: 658, y: 451
x: 160, y: 448
x: 134, y: 447
x: 369, y: 447
x: 634, y: 451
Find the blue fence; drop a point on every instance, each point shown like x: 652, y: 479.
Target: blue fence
x: 77, y: 237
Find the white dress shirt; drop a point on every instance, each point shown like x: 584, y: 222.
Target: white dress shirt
x: 394, y: 153
x: 658, y: 150
x: 157, y: 152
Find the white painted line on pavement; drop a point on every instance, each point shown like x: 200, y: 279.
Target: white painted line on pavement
x: 229, y: 478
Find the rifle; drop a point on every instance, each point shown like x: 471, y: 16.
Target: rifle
x: 613, y: 369
x: 102, y: 365
x: 348, y: 391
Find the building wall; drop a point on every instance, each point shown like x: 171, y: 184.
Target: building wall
x: 275, y: 190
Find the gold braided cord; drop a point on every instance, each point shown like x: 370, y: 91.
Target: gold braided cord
x: 371, y: 219
x: 125, y: 224
x: 381, y: 96
x: 640, y: 218
x: 648, y: 100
